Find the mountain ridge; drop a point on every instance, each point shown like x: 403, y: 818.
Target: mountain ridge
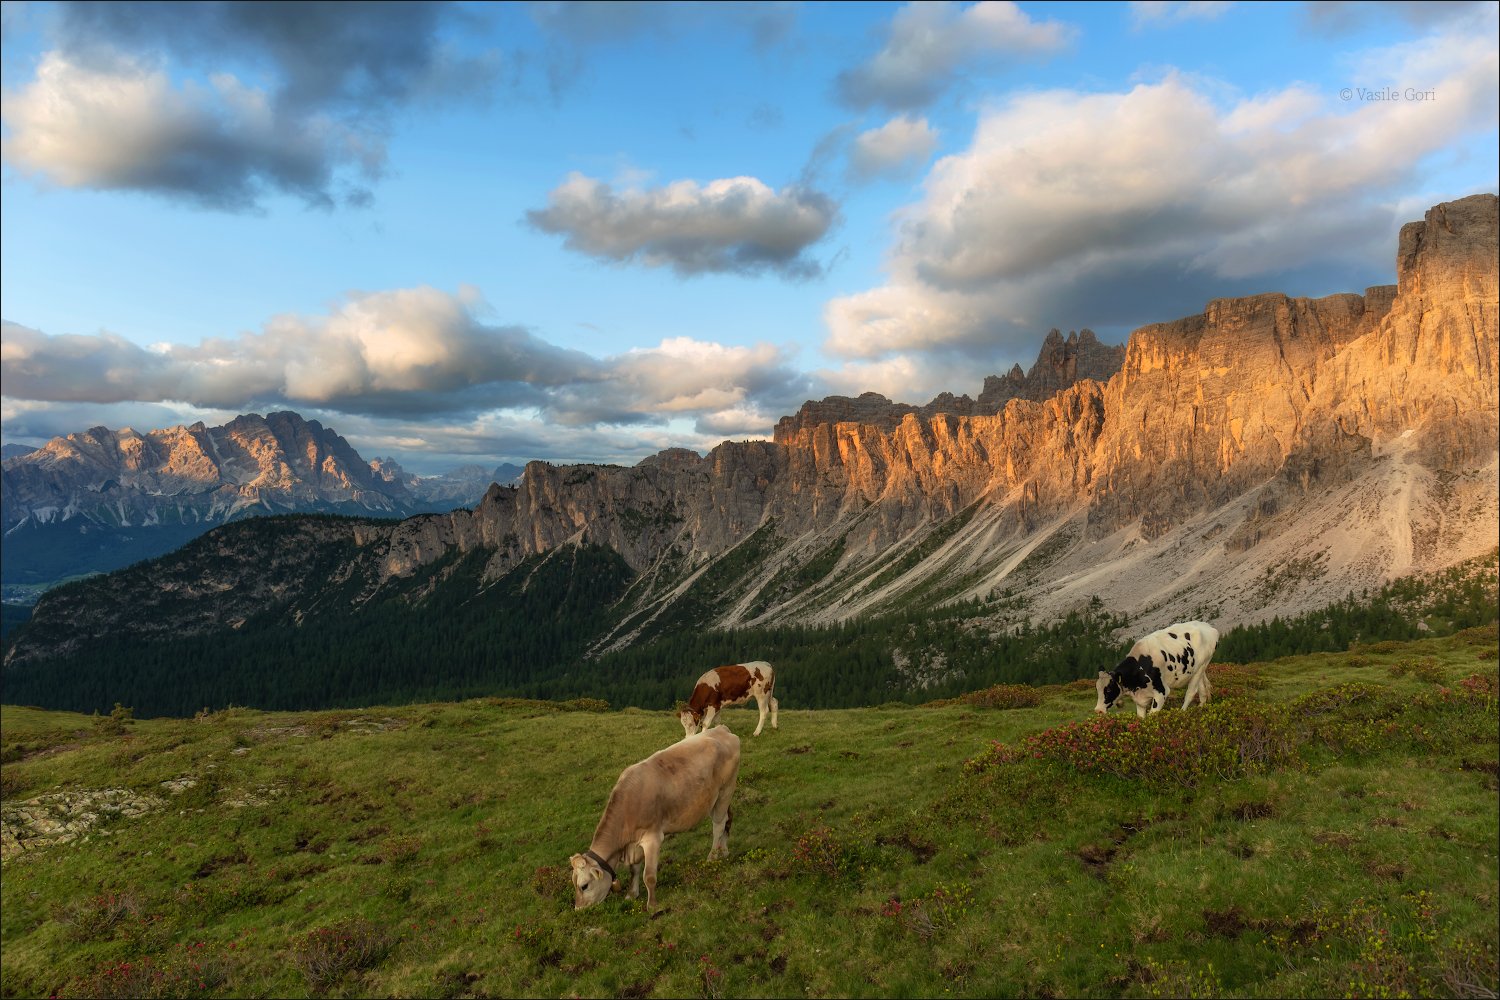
x: 109, y: 497
x: 1267, y: 455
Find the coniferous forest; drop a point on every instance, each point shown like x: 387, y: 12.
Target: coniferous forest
x: 443, y: 636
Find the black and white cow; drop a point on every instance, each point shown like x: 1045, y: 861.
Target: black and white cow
x: 1163, y: 661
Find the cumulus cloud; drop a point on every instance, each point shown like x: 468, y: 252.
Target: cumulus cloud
x: 715, y: 383
x: 406, y: 359
x: 1073, y: 209
x: 734, y: 225
x: 1161, y: 13
x: 116, y: 106
x: 415, y: 350
x: 896, y: 149
x: 221, y: 145
x: 932, y: 44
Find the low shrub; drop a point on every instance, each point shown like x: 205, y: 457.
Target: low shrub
x: 824, y: 853
x: 1426, y: 669
x: 1225, y: 739
x: 327, y: 954
x: 196, y: 970
x: 999, y: 696
x: 98, y: 916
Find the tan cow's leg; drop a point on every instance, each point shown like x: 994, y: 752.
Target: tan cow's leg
x: 633, y: 857
x: 651, y: 848
x: 723, y: 817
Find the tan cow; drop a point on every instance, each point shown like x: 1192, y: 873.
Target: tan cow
x: 668, y: 792
x: 722, y: 687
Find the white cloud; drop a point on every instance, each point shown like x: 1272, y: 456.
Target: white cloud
x: 1072, y: 209
x: 408, y: 358
x: 736, y: 224
x: 932, y: 44
x: 683, y: 376
x: 1160, y: 13
x: 896, y: 149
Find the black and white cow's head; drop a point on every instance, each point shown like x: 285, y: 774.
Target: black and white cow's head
x: 1135, y: 673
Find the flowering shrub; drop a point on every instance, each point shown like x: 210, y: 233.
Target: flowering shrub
x: 999, y: 696
x: 713, y: 978
x: 195, y: 972
x: 1184, y: 748
x: 822, y: 852
x: 1481, y: 685
x: 326, y: 954
x: 1235, y: 680
x: 924, y: 916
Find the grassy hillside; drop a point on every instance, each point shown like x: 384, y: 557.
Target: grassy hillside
x: 1327, y: 827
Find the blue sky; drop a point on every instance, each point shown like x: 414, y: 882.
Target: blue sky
x: 486, y: 233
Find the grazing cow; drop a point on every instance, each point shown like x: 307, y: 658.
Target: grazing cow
x: 668, y: 792
x: 1161, y: 662
x: 722, y: 687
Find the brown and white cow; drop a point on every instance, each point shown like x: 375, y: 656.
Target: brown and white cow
x: 722, y: 687
x: 668, y: 792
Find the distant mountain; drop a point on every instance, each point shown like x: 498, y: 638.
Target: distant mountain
x: 1262, y: 458
x: 101, y: 499
x: 464, y: 486
x: 8, y: 451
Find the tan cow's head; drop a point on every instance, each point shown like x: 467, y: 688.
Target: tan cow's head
x: 590, y: 882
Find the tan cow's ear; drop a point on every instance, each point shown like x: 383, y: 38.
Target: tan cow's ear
x: 578, y: 861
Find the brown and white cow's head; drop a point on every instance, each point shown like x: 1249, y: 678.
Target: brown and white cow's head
x: 591, y: 882
x: 690, y: 721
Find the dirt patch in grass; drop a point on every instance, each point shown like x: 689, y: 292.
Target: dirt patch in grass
x: 1228, y: 923
x: 921, y: 850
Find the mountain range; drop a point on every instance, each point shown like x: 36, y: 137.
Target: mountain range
x: 100, y: 499
x: 1260, y: 458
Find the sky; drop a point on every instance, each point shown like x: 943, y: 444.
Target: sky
x: 485, y: 233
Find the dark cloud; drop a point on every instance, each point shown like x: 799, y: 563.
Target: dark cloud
x: 575, y: 27
x: 1339, y: 17
x: 734, y: 225
x: 294, y: 99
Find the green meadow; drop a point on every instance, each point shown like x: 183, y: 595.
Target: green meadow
x: 1327, y: 826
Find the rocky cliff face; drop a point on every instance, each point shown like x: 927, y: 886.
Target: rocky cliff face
x: 197, y: 473
x: 1061, y: 363
x: 1217, y: 434
x: 1265, y: 456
